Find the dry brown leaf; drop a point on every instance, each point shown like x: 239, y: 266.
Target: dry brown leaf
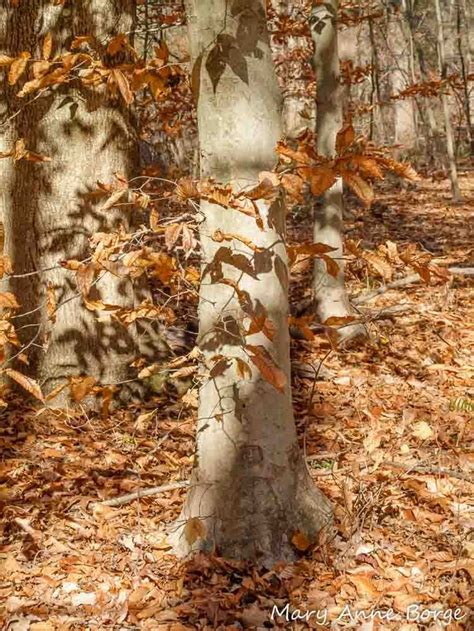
x: 29, y: 384
x: 267, y: 367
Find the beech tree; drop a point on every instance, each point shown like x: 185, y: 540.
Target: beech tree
x: 451, y: 157
x: 250, y: 491
x: 329, y: 290
x: 64, y: 140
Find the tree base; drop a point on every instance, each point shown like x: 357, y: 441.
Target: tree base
x: 261, y: 528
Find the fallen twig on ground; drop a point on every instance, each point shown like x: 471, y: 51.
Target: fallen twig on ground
x: 139, y: 493
x: 432, y: 470
x: 403, y: 282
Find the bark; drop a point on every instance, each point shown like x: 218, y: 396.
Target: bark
x: 250, y: 490
x: 435, y: 146
x: 404, y: 116
x: 48, y: 212
x: 330, y: 295
x: 453, y: 172
x: 463, y: 51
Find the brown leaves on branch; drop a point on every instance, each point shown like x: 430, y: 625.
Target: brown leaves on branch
x: 358, y: 163
x: 20, y: 152
x: 87, y: 64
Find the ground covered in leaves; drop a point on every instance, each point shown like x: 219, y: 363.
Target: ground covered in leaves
x: 386, y: 434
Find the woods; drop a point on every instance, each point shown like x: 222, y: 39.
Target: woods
x: 236, y: 286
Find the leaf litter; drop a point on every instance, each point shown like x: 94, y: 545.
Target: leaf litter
x: 382, y: 435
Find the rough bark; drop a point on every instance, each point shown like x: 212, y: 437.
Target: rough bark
x: 250, y: 490
x: 330, y: 295
x: 453, y: 172
x: 48, y: 212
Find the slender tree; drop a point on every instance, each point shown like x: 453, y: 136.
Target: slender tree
x: 48, y: 208
x: 400, y: 76
x: 453, y: 171
x: 250, y: 490
x: 330, y: 294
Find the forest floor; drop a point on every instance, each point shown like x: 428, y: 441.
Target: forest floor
x: 387, y: 439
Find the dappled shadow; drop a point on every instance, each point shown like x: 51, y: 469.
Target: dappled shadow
x: 54, y: 210
x: 423, y: 214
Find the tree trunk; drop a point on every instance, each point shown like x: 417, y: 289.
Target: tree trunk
x: 49, y: 213
x: 453, y: 171
x: 404, y: 118
x: 463, y: 58
x: 250, y: 490
x: 330, y: 295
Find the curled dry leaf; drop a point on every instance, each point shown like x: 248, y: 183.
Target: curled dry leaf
x: 29, y: 384
x: 267, y: 366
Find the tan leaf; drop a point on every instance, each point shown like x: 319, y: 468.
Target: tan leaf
x: 194, y: 529
x: 5, y: 60
x: 85, y: 277
x: 300, y: 541
x: 422, y: 430
x: 18, y: 67
x: 20, y: 149
x: 368, y: 166
x: 8, y: 300
x: 267, y: 367
x: 113, y: 199
x: 29, y: 384
x: 172, y: 233
x: 47, y: 46
x: 117, y: 43
x: 361, y: 187
x: 154, y: 220
x: 345, y: 137
x: 293, y: 185
x: 243, y: 369
x: 80, y: 387
x: 188, y: 239
x: 187, y: 189
x: 339, y: 320
x: 220, y: 236
x: 322, y: 178
x: 331, y: 264
x: 379, y: 265
x: 364, y: 585
x: 123, y: 85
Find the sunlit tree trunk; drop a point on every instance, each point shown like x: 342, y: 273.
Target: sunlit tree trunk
x: 404, y: 115
x: 453, y: 172
x: 49, y: 212
x: 330, y: 295
x: 462, y: 25
x: 250, y: 489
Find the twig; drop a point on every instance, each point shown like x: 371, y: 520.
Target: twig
x: 25, y: 525
x: 153, y: 490
x: 432, y: 470
x: 403, y: 282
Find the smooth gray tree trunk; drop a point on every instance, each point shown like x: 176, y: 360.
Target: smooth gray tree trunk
x: 330, y: 294
x: 48, y: 211
x: 451, y: 156
x: 250, y: 489
x: 400, y: 77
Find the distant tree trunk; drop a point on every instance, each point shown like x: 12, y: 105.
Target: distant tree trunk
x: 250, y: 490
x: 330, y: 295
x: 404, y: 118
x: 435, y: 146
x: 465, y: 64
x: 453, y: 171
x: 48, y: 209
